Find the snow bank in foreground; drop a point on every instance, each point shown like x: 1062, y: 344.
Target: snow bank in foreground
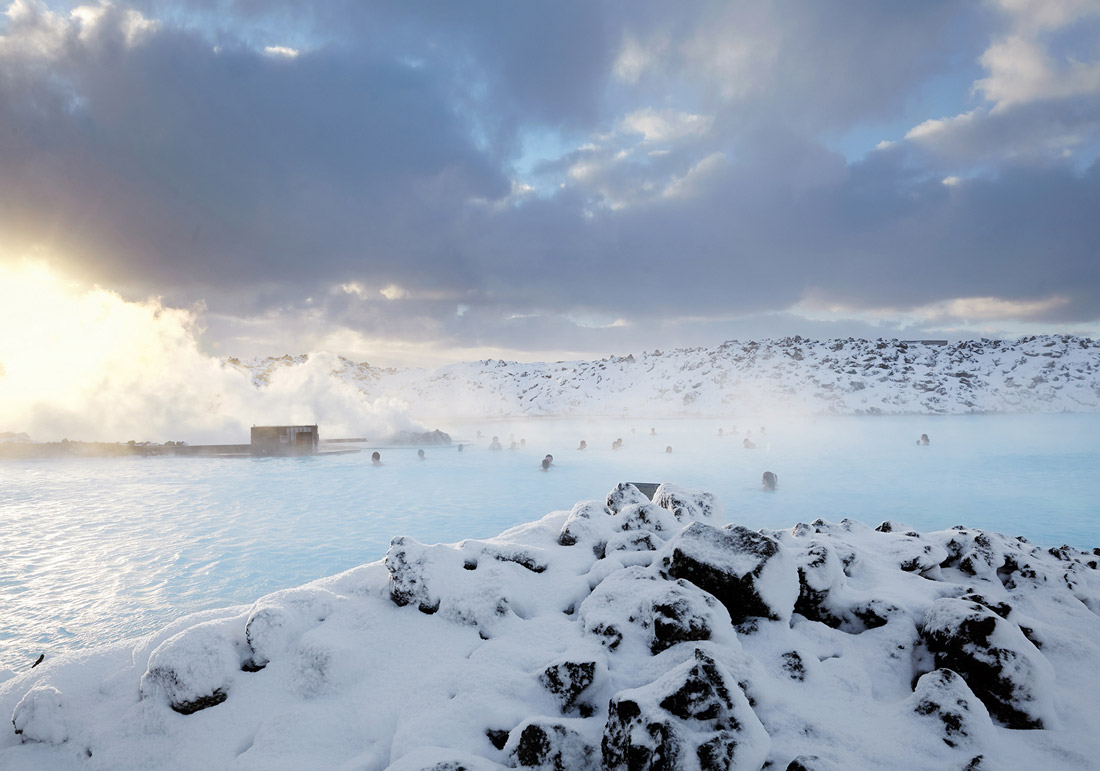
x: 624, y: 634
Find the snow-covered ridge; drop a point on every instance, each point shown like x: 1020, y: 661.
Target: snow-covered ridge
x: 623, y: 634
x: 1049, y: 374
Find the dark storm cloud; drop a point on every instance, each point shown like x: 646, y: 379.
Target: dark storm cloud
x: 182, y: 160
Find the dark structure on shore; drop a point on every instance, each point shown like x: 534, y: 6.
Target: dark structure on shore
x: 285, y: 440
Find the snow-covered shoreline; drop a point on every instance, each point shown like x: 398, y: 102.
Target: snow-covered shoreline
x: 838, y: 377
x: 622, y: 634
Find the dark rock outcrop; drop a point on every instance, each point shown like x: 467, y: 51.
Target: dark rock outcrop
x: 549, y: 746
x: 625, y: 494
x: 1003, y: 669
x: 568, y: 680
x: 746, y: 571
x: 956, y: 714
x: 687, y: 505
x: 693, y: 716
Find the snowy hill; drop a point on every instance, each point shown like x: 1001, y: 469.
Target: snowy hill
x: 840, y: 377
x: 624, y: 634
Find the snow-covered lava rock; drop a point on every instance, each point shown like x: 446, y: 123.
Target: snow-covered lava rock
x: 838, y: 377
x: 624, y: 634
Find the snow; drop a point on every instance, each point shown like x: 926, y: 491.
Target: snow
x: 529, y: 650
x: 839, y: 377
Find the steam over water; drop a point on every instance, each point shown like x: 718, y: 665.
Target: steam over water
x: 98, y: 550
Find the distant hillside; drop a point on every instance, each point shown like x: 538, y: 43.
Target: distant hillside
x: 839, y: 377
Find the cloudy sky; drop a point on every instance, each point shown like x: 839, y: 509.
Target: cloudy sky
x: 415, y: 182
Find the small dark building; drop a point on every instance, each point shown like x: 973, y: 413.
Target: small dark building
x: 284, y: 440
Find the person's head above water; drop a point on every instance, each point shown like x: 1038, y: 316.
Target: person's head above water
x: 769, y: 480
x: 653, y: 432
x: 748, y: 444
x: 582, y: 445
x: 668, y: 450
x: 546, y: 463
x: 376, y: 458
x: 420, y: 454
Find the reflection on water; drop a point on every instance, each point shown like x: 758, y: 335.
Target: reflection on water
x: 98, y: 550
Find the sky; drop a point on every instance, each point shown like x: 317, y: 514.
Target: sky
x: 412, y: 183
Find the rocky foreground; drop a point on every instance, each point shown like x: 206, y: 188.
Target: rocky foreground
x: 836, y: 377
x: 624, y: 634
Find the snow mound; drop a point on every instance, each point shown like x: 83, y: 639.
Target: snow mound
x: 39, y: 716
x: 622, y: 634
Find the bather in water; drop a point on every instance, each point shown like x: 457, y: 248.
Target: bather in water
x: 376, y: 458
x: 583, y: 445
x: 748, y: 444
x: 769, y: 480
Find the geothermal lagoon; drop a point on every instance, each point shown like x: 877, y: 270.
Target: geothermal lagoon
x: 99, y: 550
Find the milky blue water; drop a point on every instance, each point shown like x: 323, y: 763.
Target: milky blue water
x: 97, y: 550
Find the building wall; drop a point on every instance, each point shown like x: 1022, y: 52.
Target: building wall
x: 284, y: 440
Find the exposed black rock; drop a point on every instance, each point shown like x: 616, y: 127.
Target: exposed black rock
x: 625, y: 494
x: 957, y: 714
x: 693, y: 716
x: 646, y: 517
x: 407, y: 584
x: 586, y: 522
x: 568, y: 680
x: 687, y: 505
x: 551, y: 746
x: 204, y: 702
x: 993, y: 656
x: 794, y: 666
x: 678, y: 618
x: 731, y: 563
x: 811, y: 763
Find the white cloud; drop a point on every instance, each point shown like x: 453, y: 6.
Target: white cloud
x: 665, y: 125
x: 990, y: 309
x: 36, y: 32
x: 1041, y: 101
x: 687, y: 186
x: 935, y: 127
x: 393, y: 292
x: 354, y: 288
x: 820, y: 305
x: 1037, y: 15
x: 1022, y: 70
x: 283, y: 52
x: 635, y: 58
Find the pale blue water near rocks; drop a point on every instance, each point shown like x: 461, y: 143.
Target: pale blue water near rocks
x: 94, y: 551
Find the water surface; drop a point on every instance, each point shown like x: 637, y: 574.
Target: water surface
x: 95, y: 550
